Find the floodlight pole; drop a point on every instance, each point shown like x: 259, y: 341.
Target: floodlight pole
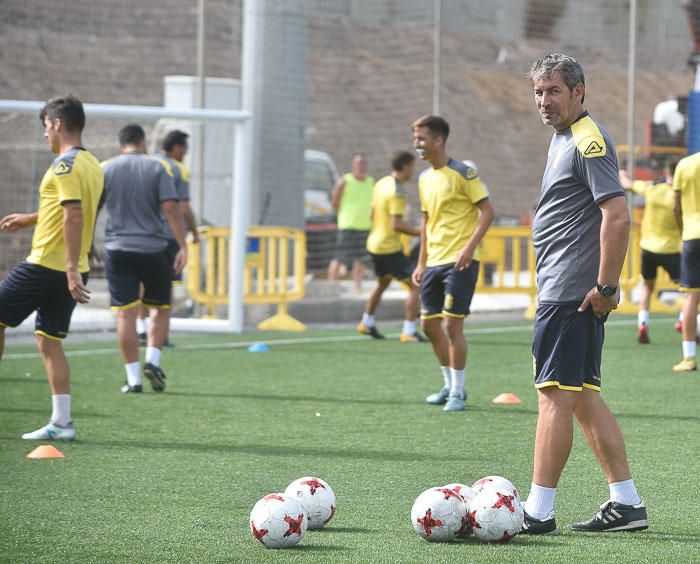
x: 437, y: 57
x: 631, y: 58
x: 201, y: 93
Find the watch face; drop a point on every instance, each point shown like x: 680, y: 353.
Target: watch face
x: 607, y: 291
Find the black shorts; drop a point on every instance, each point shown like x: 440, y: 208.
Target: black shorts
x: 671, y: 263
x: 690, y: 265
x: 396, y: 265
x: 567, y: 347
x: 170, y: 251
x: 126, y: 270
x: 350, y: 246
x: 31, y: 287
x: 444, y: 291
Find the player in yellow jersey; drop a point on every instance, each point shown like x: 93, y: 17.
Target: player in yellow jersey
x: 686, y: 185
x: 660, y: 238
x: 457, y: 213
x: 385, y: 248
x: 54, y: 276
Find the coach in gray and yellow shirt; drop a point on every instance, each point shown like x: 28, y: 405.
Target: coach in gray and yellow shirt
x: 137, y: 189
x: 580, y: 234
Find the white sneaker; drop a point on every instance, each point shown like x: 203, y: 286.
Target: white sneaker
x: 52, y: 432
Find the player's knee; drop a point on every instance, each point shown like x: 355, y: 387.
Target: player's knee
x: 455, y: 329
x: 46, y: 345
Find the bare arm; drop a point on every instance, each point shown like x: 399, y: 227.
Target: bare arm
x: 190, y: 222
x: 614, y: 236
x: 678, y: 210
x: 464, y: 259
x: 625, y: 179
x: 337, y: 194
x: 72, y: 237
x: 171, y: 211
x: 14, y: 221
x: 398, y: 224
x: 423, y: 253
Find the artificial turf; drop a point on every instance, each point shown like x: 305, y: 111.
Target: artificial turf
x: 172, y: 477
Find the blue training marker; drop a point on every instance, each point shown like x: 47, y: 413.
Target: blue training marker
x: 258, y: 347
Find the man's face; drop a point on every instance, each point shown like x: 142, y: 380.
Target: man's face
x: 358, y: 166
x: 179, y: 151
x: 51, y: 133
x: 558, y: 106
x: 425, y: 144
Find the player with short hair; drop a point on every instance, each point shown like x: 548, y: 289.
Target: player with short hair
x: 352, y: 199
x: 385, y: 248
x: 54, y: 276
x: 660, y: 237
x: 137, y: 189
x: 457, y: 213
x: 174, y: 149
x: 580, y: 232
x: 686, y: 186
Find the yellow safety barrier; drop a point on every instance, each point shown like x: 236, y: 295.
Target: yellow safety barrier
x: 507, y: 264
x: 274, y: 272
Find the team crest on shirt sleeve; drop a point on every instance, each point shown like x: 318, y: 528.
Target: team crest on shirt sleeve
x: 62, y: 168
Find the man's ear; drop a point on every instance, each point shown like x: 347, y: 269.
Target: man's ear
x: 579, y: 92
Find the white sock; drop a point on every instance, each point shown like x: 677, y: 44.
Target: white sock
x: 643, y: 317
x: 368, y: 319
x: 447, y: 376
x: 624, y: 492
x: 133, y: 373
x: 60, y: 414
x: 540, y: 501
x: 409, y: 327
x: 689, y: 348
x: 153, y: 356
x: 457, y: 386
x: 141, y: 325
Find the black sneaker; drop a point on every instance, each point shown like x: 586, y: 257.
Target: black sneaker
x: 168, y: 344
x: 143, y: 339
x: 137, y: 389
x: 371, y: 331
x: 532, y: 526
x: 614, y: 516
x: 155, y: 375
x: 421, y: 338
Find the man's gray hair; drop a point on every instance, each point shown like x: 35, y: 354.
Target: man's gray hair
x: 570, y: 69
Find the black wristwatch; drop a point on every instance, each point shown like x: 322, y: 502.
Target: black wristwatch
x: 606, y: 291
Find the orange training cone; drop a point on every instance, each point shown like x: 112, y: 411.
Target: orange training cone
x: 507, y: 397
x: 45, y: 451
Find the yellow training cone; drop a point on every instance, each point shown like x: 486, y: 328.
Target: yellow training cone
x: 45, y: 451
x: 506, y: 397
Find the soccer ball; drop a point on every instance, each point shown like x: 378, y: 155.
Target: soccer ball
x: 468, y: 494
x: 495, y: 482
x: 495, y: 515
x: 439, y: 514
x: 316, y: 496
x: 278, y: 521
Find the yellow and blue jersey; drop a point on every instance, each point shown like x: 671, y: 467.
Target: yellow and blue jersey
x: 73, y: 177
x: 388, y: 201
x: 449, y: 197
x: 660, y: 233
x: 686, y: 180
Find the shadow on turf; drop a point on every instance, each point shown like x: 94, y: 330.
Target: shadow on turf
x: 290, y: 398
x: 345, y: 530
x: 32, y: 380
x: 43, y: 411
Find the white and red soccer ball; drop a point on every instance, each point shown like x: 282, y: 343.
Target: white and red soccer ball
x: 278, y: 521
x: 439, y: 514
x: 467, y: 494
x: 494, y: 482
x: 495, y: 514
x: 317, y: 498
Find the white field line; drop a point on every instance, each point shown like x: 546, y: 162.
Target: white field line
x: 307, y: 340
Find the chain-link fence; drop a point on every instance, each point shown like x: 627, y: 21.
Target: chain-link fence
x: 369, y: 72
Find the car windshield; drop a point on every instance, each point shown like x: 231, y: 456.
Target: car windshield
x: 317, y: 176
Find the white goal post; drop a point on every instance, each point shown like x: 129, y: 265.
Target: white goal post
x: 240, y: 197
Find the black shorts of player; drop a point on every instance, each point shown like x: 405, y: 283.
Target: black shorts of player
x: 690, y: 265
x: 125, y: 270
x: 671, y: 263
x: 31, y: 287
x: 350, y: 246
x: 567, y: 347
x: 397, y: 265
x: 446, y: 292
x: 171, y: 250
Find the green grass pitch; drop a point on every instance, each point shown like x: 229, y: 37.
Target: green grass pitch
x: 172, y: 477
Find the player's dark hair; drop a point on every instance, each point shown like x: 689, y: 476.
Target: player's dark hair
x: 131, y: 134
x: 437, y: 126
x: 570, y: 69
x: 400, y: 159
x: 66, y: 108
x: 173, y: 139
